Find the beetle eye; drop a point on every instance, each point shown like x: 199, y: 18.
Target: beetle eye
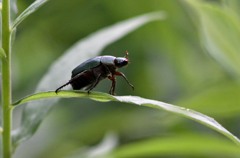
x: 120, y: 62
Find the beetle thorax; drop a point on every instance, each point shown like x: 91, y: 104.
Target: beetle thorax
x: 108, y: 60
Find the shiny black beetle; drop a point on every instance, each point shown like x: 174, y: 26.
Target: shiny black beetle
x: 88, y: 74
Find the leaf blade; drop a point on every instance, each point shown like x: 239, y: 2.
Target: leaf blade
x: 181, y: 144
x: 188, y: 113
x: 136, y: 100
x: 2, y: 53
x: 31, y: 9
x: 219, y: 33
x: 64, y: 94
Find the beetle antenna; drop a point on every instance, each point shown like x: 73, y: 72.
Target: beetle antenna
x: 126, y: 54
x: 57, y: 90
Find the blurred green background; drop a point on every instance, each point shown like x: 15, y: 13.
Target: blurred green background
x: 168, y: 63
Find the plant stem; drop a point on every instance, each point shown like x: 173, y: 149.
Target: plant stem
x: 6, y: 81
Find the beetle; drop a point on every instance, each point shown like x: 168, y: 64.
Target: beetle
x: 89, y: 73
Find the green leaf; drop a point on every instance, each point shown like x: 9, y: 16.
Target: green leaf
x: 98, y: 96
x: 180, y: 145
x: 233, y: 5
x: 220, y: 33
x: 2, y: 53
x: 215, y: 99
x: 13, y: 9
x: 107, y: 144
x: 31, y: 9
x: 59, y: 72
x: 188, y: 113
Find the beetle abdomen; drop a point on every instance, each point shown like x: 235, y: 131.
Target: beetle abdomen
x: 84, y: 80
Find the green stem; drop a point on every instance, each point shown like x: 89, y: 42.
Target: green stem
x: 6, y: 81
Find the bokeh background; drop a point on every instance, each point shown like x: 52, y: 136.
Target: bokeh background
x: 168, y: 63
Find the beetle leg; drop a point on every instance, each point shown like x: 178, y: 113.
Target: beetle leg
x: 121, y: 74
x: 94, y: 84
x: 69, y: 82
x: 57, y: 90
x: 112, y: 89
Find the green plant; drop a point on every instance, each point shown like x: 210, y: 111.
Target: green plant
x: 38, y: 105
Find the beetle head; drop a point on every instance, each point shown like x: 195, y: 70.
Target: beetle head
x: 120, y: 62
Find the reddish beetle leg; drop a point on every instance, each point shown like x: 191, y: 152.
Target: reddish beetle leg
x: 113, y: 79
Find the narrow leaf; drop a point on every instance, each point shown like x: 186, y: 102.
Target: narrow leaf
x: 109, y: 143
x: 220, y: 33
x: 31, y: 9
x: 2, y: 53
x: 204, y: 146
x: 233, y: 5
x: 13, y: 9
x: 199, y: 117
x: 215, y: 99
x: 98, y: 96
x: 59, y: 72
x: 188, y: 113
